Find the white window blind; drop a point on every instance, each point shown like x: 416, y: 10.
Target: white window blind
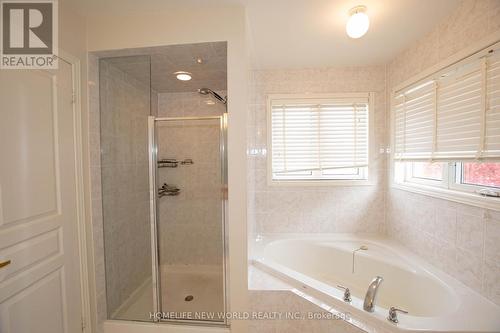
x: 453, y: 114
x: 319, y: 134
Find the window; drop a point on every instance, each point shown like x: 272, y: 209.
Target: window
x: 427, y: 171
x: 447, y: 130
x: 462, y: 176
x: 480, y: 174
x: 318, y: 138
x: 453, y: 114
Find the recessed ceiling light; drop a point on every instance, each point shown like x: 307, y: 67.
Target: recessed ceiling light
x: 358, y: 23
x: 199, y: 60
x: 183, y: 76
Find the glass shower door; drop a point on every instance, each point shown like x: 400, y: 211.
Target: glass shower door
x: 190, y: 203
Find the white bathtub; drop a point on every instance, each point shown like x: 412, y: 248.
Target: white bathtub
x: 434, y: 300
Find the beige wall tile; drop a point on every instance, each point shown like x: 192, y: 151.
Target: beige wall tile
x: 458, y: 234
x: 312, y: 209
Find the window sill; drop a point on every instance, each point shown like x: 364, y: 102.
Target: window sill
x: 340, y: 182
x: 472, y: 199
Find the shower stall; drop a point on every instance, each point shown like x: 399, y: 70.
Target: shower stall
x: 164, y: 183
x: 189, y: 245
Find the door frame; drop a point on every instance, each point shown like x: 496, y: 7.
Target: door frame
x: 81, y: 215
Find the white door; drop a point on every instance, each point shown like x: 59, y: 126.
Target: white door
x: 40, y: 288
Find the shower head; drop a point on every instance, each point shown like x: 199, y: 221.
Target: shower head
x: 206, y: 91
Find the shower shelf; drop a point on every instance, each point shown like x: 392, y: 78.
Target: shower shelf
x: 173, y: 163
x: 168, y: 163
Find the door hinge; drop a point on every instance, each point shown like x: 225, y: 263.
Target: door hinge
x: 73, y: 97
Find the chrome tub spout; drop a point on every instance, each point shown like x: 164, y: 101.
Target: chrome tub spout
x: 371, y: 294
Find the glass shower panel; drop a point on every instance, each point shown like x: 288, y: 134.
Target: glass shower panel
x: 190, y: 221
x: 125, y: 104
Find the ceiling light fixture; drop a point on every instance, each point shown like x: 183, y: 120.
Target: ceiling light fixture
x: 183, y: 76
x: 358, y: 23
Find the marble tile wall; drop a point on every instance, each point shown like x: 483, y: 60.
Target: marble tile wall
x: 314, y: 209
x: 267, y: 302
x: 96, y: 191
x: 190, y: 227
x: 189, y: 104
x: 470, y: 22
x: 127, y: 95
x: 461, y: 240
x: 124, y: 107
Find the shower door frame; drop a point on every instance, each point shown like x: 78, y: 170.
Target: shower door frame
x: 153, y: 195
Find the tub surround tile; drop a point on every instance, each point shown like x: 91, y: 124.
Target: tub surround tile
x: 492, y: 215
x: 491, y: 286
x: 260, y: 326
x: 260, y: 280
x: 470, y: 233
x: 462, y: 249
x: 459, y: 239
x: 471, y: 210
x: 469, y: 268
x: 308, y: 208
x: 270, y: 294
x: 492, y: 240
x: 268, y: 301
x: 445, y: 225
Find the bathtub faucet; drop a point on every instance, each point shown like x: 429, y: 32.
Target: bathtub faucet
x: 371, y: 294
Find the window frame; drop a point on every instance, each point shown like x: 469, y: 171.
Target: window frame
x: 432, y: 77
x: 410, y: 178
x: 460, y: 193
x: 455, y: 170
x: 321, y: 182
x: 449, y: 188
x: 362, y: 175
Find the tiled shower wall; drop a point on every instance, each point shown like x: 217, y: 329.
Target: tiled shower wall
x: 125, y: 106
x: 119, y: 110
x: 296, y: 209
x: 123, y: 89
x: 190, y: 224
x: 461, y: 240
x: 96, y: 191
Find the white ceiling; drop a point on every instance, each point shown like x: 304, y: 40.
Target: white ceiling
x: 157, y: 65
x: 311, y: 33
